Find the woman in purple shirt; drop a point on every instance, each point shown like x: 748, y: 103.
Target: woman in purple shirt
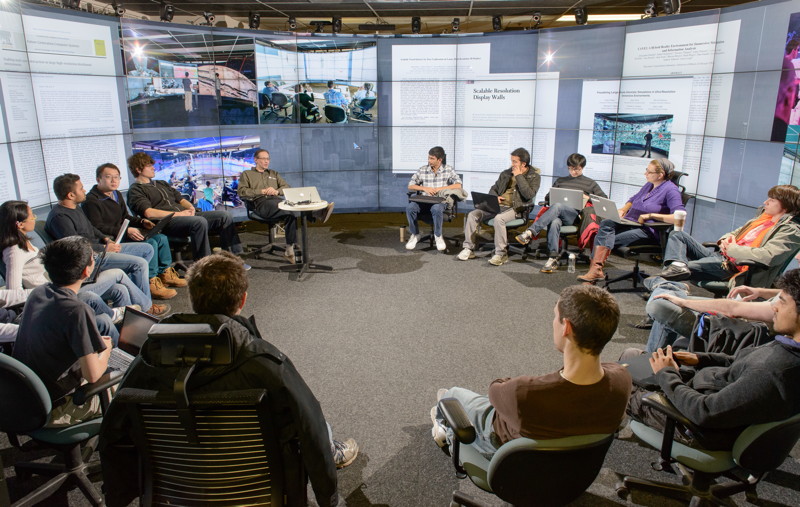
x: 657, y: 200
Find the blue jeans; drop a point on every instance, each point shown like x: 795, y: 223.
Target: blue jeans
x: 102, y: 313
x: 162, y: 259
x: 670, y: 321
x: 613, y: 235
x: 197, y: 228
x: 436, y: 211
x: 115, y: 285
x: 704, y: 262
x: 134, y: 260
x: 556, y: 215
x: 480, y: 413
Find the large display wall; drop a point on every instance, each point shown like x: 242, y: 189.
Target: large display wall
x: 715, y: 92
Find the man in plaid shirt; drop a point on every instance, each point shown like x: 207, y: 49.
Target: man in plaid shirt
x: 430, y: 180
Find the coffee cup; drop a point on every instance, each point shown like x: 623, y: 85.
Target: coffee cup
x: 680, y: 219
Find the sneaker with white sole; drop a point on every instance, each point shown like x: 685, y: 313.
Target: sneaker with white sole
x: 345, y: 452
x: 412, y: 241
x: 498, y: 260
x: 440, y: 244
x: 551, y: 266
x: 438, y: 432
x: 524, y: 238
x: 466, y: 254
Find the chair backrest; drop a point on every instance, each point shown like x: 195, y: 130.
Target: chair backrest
x: 764, y: 447
x: 547, y: 472
x: 279, y: 99
x: 335, y: 114
x: 44, y: 237
x: 367, y: 103
x: 25, y: 401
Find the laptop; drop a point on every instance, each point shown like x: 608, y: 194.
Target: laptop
x: 97, y: 264
x: 159, y: 226
x: 301, y: 195
x: 571, y: 197
x: 486, y: 202
x: 133, y: 334
x: 606, y: 208
x: 641, y: 372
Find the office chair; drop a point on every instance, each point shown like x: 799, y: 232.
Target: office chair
x: 637, y: 276
x: 512, y: 225
x: 271, y: 224
x: 364, y: 105
x: 450, y: 214
x: 196, y: 448
x: 281, y: 102
x: 335, y: 114
x: 759, y: 449
x: 564, y: 234
x: 25, y: 410
x: 524, y: 471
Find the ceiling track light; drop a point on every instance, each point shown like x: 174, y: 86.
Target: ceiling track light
x: 254, y: 20
x: 416, y: 24
x: 650, y: 10
x: 669, y: 7
x: 166, y: 12
x: 456, y: 24
x: 581, y: 15
x: 209, y: 17
x: 118, y: 9
x: 336, y: 24
x: 497, y: 23
x: 536, y: 19
x: 292, y: 23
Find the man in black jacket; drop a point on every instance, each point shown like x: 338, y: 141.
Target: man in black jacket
x: 155, y: 199
x: 218, y: 292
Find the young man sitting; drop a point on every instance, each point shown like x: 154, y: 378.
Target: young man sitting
x: 584, y: 397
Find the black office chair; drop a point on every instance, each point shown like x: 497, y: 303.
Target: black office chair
x: 759, y: 449
x: 335, y: 114
x: 216, y: 446
x: 566, y: 232
x: 364, y: 105
x: 271, y: 224
x: 280, y: 102
x: 524, y: 471
x: 25, y: 410
x: 634, y: 251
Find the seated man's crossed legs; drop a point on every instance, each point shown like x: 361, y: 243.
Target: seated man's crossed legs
x: 552, y: 220
x: 474, y: 218
x: 686, y: 258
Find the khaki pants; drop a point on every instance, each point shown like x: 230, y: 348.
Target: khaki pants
x: 187, y: 101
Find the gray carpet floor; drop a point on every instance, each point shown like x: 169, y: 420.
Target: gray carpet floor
x: 378, y: 336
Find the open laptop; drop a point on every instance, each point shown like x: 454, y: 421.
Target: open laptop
x: 159, y: 226
x: 641, y: 372
x: 132, y: 335
x: 606, y: 208
x: 571, y: 197
x: 486, y: 202
x: 97, y: 264
x: 301, y: 195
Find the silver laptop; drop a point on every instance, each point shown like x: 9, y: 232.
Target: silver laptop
x: 301, y: 195
x: 606, y: 208
x: 570, y: 197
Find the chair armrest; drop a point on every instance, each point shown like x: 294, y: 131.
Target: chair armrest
x: 457, y: 419
x: 753, y: 264
x: 659, y: 225
x: 86, y: 391
x: 711, y: 244
x: 658, y: 401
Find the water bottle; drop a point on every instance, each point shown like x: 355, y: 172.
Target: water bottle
x: 571, y: 265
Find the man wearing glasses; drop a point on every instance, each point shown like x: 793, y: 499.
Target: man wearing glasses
x: 264, y: 188
x: 559, y: 213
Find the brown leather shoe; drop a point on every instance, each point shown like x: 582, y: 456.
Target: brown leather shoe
x: 158, y: 291
x: 159, y: 310
x: 170, y: 278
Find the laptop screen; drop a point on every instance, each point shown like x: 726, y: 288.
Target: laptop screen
x: 133, y: 334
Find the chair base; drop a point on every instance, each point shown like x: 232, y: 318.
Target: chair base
x: 636, y: 277
x: 75, y: 471
x: 701, y: 489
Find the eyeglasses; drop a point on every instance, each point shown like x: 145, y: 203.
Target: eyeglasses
x: 262, y: 158
x: 652, y: 172
x: 112, y: 177
x: 575, y: 169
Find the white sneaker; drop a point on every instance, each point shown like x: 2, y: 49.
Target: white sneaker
x: 466, y: 254
x: 119, y: 312
x: 440, y: 244
x: 551, y: 266
x: 412, y: 241
x: 438, y: 432
x: 498, y: 260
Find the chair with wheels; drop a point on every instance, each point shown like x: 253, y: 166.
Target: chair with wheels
x: 450, y: 214
x: 335, y: 114
x: 524, y: 471
x: 25, y: 410
x: 211, y: 447
x: 364, y: 105
x: 758, y: 450
x: 271, y: 223
x: 280, y: 102
x: 518, y: 223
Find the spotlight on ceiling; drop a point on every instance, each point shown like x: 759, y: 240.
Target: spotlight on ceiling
x: 71, y: 4
x: 537, y: 19
x: 650, y: 10
x: 319, y: 25
x: 456, y: 24
x: 670, y: 7
x: 336, y: 21
x: 166, y: 12
x: 254, y: 20
x: 416, y: 24
x: 497, y: 23
x: 581, y: 15
x: 118, y: 9
x: 209, y: 18
x: 292, y: 23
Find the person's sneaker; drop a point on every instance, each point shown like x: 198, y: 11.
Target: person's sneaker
x: 288, y: 254
x: 246, y: 267
x: 170, y: 278
x: 466, y: 254
x: 440, y: 393
x: 440, y: 244
x: 344, y: 452
x: 412, y: 241
x: 438, y: 432
x: 119, y: 312
x: 159, y: 310
x: 675, y: 272
x: 158, y: 291
x: 525, y: 237
x: 551, y: 266
x: 498, y: 260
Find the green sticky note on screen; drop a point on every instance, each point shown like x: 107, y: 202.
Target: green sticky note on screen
x: 99, y: 47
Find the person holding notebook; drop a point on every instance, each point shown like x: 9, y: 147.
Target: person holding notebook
x: 515, y: 188
x: 106, y: 209
x: 559, y: 214
x: 658, y: 199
